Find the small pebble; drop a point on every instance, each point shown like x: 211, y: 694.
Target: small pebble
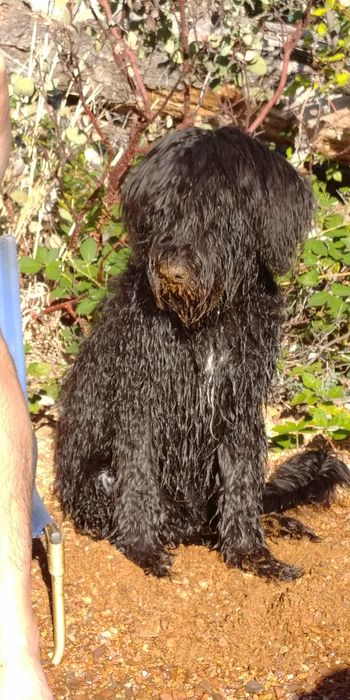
x: 253, y: 687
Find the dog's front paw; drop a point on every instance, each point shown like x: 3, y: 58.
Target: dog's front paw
x: 153, y: 560
x: 262, y: 563
x: 279, y: 525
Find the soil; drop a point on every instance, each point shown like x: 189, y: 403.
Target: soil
x: 206, y: 632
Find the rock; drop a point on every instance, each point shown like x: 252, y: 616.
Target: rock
x: 253, y: 687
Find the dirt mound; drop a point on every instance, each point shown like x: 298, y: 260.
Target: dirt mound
x: 207, y: 632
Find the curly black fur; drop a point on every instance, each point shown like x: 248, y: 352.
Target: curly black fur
x: 309, y: 477
x: 161, y: 438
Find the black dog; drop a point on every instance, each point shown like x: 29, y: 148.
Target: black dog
x: 161, y: 438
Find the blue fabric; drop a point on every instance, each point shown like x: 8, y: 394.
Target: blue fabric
x: 11, y: 328
x: 10, y: 309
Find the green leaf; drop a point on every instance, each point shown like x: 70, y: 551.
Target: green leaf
x: 41, y: 254
x: 39, y: 369
x: 50, y: 388
x: 53, y: 271
x: 52, y: 254
x: 287, y: 443
x: 306, y: 396
x: 318, y: 299
x: 311, y: 381
x: 340, y: 290
x: 309, y: 258
x: 65, y: 214
x: 97, y: 294
x: 34, y: 407
x: 258, y: 66
x: 334, y: 221
x: 86, y: 307
x: 63, y: 290
x: 22, y: 86
x: 340, y: 434
x: 29, y: 266
x: 337, y: 232
x: 342, y: 78
x: 88, y: 249
x: 316, y: 367
x: 178, y: 57
x: 322, y: 28
x: 308, y: 279
x: 169, y: 45
x: 335, y: 392
x: 319, y: 11
x: 19, y: 197
x: 342, y: 417
x: 225, y: 48
x: 75, y: 136
x: 337, y: 175
x: 83, y: 286
x: 336, y: 307
x: 336, y: 57
x: 288, y: 427
x: 132, y: 39
x: 319, y: 418
x: 318, y: 247
x: 334, y: 253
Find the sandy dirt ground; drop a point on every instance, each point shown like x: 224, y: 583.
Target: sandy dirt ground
x: 206, y: 632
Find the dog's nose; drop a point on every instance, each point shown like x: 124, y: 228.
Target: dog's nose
x: 175, y: 285
x: 173, y: 273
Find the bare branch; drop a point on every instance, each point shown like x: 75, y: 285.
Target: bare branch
x: 288, y: 47
x: 123, y: 164
x: 127, y: 61
x: 5, y: 125
x: 186, y: 61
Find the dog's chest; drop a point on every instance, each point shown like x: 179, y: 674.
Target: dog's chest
x: 214, y: 361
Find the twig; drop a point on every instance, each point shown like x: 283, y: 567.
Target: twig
x: 62, y: 306
x: 202, y: 94
x: 73, y: 68
x: 168, y: 97
x: 121, y: 52
x: 288, y: 47
x: 119, y: 170
x: 186, y: 62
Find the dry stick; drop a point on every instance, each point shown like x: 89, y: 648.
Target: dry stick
x: 76, y: 75
x: 126, y: 61
x: 94, y: 122
x: 119, y: 170
x: 170, y: 94
x: 132, y: 72
x: 288, y: 47
x: 62, y: 305
x: 79, y: 217
x: 186, y: 62
x: 68, y: 307
x: 5, y: 124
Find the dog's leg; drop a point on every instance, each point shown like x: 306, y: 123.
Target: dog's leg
x: 139, y: 516
x: 240, y: 505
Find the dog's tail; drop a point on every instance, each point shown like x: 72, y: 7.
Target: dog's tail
x: 309, y: 477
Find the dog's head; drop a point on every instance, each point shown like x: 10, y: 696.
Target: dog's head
x: 205, y: 210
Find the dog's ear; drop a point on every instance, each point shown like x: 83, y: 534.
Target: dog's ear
x: 272, y: 199
x: 287, y: 210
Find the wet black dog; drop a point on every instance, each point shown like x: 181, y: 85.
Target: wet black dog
x: 161, y: 438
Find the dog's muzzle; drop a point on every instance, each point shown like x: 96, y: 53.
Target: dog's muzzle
x: 176, y: 285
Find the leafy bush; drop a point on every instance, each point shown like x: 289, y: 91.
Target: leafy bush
x: 316, y: 357
x: 70, y: 231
